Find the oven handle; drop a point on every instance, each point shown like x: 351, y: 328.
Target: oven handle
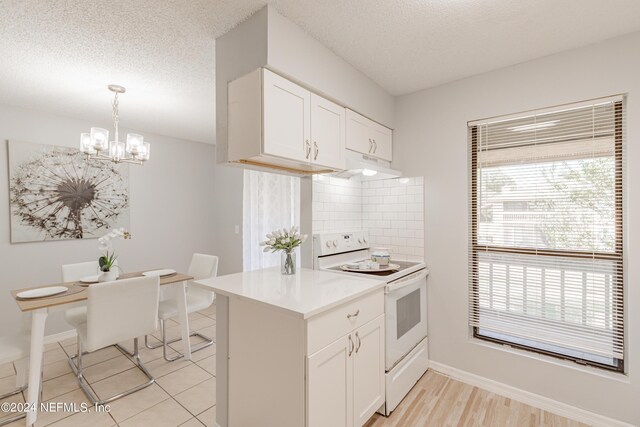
x: 407, y: 281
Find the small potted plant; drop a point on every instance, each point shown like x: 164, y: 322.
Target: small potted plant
x: 107, y: 262
x: 285, y: 241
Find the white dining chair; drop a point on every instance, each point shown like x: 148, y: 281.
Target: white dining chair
x: 117, y: 311
x: 202, y: 267
x: 15, y: 349
x: 77, y: 313
x: 72, y: 273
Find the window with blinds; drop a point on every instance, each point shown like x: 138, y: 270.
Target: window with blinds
x: 546, y: 231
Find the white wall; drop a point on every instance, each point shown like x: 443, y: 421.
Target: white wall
x: 172, y: 210
x: 431, y: 140
x: 294, y: 53
x: 226, y: 192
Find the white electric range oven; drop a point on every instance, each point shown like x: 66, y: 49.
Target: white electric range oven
x: 406, y: 348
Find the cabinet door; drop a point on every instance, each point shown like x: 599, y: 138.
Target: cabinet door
x: 368, y: 370
x: 382, y: 142
x: 358, y: 133
x: 286, y: 121
x: 330, y: 386
x: 327, y: 133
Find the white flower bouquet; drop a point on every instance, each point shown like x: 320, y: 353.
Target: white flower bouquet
x: 285, y: 241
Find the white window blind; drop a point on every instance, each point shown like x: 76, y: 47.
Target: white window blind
x: 546, y: 231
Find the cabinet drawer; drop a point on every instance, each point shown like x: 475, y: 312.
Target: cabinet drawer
x: 327, y: 327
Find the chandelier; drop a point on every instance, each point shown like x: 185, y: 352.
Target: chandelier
x: 96, y: 144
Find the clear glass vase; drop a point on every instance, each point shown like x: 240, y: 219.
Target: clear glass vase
x: 288, y: 263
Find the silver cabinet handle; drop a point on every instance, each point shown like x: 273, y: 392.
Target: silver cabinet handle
x: 359, y: 342
x: 370, y: 145
x: 349, y: 316
x: 306, y: 143
x: 317, y: 150
x: 375, y: 146
x: 351, y: 345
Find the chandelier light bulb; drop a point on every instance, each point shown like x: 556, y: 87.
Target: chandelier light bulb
x: 99, y: 139
x: 145, y: 151
x: 86, y: 146
x: 116, y: 150
x: 134, y: 143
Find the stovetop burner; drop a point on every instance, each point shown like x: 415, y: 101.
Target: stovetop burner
x: 403, y: 266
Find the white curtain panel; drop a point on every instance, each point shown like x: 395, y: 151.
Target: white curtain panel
x: 270, y: 202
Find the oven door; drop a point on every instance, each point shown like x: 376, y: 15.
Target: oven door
x: 406, y: 315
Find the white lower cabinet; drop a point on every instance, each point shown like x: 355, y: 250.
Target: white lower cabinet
x: 330, y: 386
x: 368, y: 371
x: 345, y: 380
x: 277, y: 368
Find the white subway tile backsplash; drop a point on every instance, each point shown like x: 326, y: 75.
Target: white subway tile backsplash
x: 390, y: 215
x: 389, y: 232
x: 391, y: 211
x: 337, y: 205
x: 402, y: 205
x: 390, y: 199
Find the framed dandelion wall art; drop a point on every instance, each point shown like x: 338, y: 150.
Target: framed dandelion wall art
x: 56, y: 194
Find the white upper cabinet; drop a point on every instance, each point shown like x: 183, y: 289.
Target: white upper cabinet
x: 327, y: 133
x: 273, y: 122
x: 287, y: 127
x: 368, y: 137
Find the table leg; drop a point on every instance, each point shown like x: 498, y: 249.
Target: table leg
x: 181, y: 300
x: 38, y: 320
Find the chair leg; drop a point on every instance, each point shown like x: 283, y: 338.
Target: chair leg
x: 207, y: 342
x: 21, y: 385
x: 21, y: 379
x: 11, y: 393
x: 165, y: 344
x: 124, y: 350
x: 84, y: 385
x: 160, y: 344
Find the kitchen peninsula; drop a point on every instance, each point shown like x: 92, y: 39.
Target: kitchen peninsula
x: 300, y: 350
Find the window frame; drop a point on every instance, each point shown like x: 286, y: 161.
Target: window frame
x: 617, y: 256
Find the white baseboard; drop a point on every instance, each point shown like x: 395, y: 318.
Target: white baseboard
x: 71, y: 333
x: 529, y: 398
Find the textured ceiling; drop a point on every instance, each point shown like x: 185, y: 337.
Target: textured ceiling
x: 59, y: 55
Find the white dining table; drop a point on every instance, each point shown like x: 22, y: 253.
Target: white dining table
x: 40, y: 308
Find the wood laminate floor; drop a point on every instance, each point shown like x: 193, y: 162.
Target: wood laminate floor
x: 439, y: 401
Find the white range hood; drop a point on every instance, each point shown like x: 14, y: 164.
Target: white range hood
x: 365, y: 168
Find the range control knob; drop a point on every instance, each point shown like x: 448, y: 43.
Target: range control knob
x: 335, y: 243
x: 328, y: 244
x: 364, y: 240
x: 359, y: 240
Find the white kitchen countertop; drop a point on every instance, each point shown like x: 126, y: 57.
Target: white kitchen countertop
x: 307, y: 293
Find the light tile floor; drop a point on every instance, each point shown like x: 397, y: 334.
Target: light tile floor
x: 184, y: 393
